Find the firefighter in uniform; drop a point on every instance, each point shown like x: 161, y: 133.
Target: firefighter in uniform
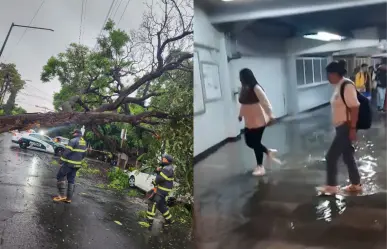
x: 71, y: 162
x: 158, y: 197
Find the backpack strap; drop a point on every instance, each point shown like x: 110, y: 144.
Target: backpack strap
x: 342, y: 89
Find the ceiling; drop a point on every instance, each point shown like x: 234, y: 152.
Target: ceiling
x: 340, y: 21
x: 216, y: 6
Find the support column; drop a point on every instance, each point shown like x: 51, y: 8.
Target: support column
x: 230, y: 108
x: 291, y: 86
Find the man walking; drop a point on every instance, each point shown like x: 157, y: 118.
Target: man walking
x: 71, y: 162
x: 381, y: 78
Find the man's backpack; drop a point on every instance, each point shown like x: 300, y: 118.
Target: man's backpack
x: 364, y: 120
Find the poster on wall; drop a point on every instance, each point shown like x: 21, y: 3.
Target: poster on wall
x: 211, y: 81
x: 199, y: 106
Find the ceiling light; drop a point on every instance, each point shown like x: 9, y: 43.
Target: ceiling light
x: 324, y: 36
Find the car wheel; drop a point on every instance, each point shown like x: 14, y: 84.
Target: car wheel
x: 132, y: 182
x: 59, y: 152
x: 23, y: 145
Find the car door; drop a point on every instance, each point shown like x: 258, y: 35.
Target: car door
x: 35, y: 142
x: 48, y: 143
x: 149, y: 180
x: 140, y: 180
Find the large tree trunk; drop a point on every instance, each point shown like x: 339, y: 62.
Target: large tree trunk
x: 8, y: 107
x: 47, y: 120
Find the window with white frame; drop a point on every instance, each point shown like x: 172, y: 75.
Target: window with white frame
x: 311, y: 70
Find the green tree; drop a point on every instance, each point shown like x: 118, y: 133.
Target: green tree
x: 11, y: 83
x: 98, y: 86
x: 176, y: 135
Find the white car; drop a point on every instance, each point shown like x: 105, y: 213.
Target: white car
x: 16, y: 135
x: 61, y: 140
x: 143, y: 181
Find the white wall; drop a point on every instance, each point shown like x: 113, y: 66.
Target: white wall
x: 220, y: 118
x: 274, y: 65
x: 266, y: 58
x: 306, y: 97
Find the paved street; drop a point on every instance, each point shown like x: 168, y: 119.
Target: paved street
x: 282, y: 210
x: 29, y: 218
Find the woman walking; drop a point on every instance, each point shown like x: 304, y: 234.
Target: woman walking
x: 256, y: 110
x: 345, y: 110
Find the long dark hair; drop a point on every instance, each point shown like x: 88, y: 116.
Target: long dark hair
x: 247, y: 78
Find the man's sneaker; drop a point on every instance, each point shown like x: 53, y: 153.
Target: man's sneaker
x: 259, y: 171
x: 59, y: 198
x: 328, y: 190
x: 352, y: 188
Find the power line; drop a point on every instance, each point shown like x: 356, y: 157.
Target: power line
x: 26, y: 29
x: 34, y: 96
x: 40, y: 90
x: 84, y: 17
x: 118, y: 6
x: 80, y: 26
x: 104, y: 23
x: 126, y: 6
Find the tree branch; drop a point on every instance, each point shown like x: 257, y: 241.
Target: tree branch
x: 140, y: 100
x: 27, y: 121
x: 148, y: 77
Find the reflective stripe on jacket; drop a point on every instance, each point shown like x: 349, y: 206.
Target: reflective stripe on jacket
x: 75, y: 152
x: 164, y: 180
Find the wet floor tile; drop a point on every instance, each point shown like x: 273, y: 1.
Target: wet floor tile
x: 282, y: 209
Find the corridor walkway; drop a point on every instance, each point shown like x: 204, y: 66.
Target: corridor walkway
x: 281, y: 210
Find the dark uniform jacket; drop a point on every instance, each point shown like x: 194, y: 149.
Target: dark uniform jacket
x: 75, y: 152
x: 164, y: 180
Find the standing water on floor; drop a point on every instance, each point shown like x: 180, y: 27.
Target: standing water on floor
x: 283, y: 209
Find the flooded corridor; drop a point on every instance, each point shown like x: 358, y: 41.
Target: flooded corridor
x: 282, y: 210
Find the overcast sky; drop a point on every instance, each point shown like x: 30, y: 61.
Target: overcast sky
x: 37, y: 46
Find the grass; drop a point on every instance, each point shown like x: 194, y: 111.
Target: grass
x: 133, y: 193
x: 141, y: 214
x: 54, y: 163
x: 102, y: 186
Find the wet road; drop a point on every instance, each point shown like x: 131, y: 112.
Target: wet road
x: 282, y: 210
x: 29, y: 219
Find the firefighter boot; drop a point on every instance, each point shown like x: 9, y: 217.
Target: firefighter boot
x: 150, y: 215
x: 70, y: 192
x: 168, y: 219
x: 61, y: 190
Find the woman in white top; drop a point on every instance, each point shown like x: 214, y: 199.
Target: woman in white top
x: 257, y: 113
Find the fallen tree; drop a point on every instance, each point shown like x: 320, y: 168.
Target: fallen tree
x: 99, y: 86
x: 52, y: 119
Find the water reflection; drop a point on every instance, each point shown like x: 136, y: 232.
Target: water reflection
x: 328, y: 208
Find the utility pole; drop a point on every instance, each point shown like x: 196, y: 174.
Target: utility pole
x: 21, y: 26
